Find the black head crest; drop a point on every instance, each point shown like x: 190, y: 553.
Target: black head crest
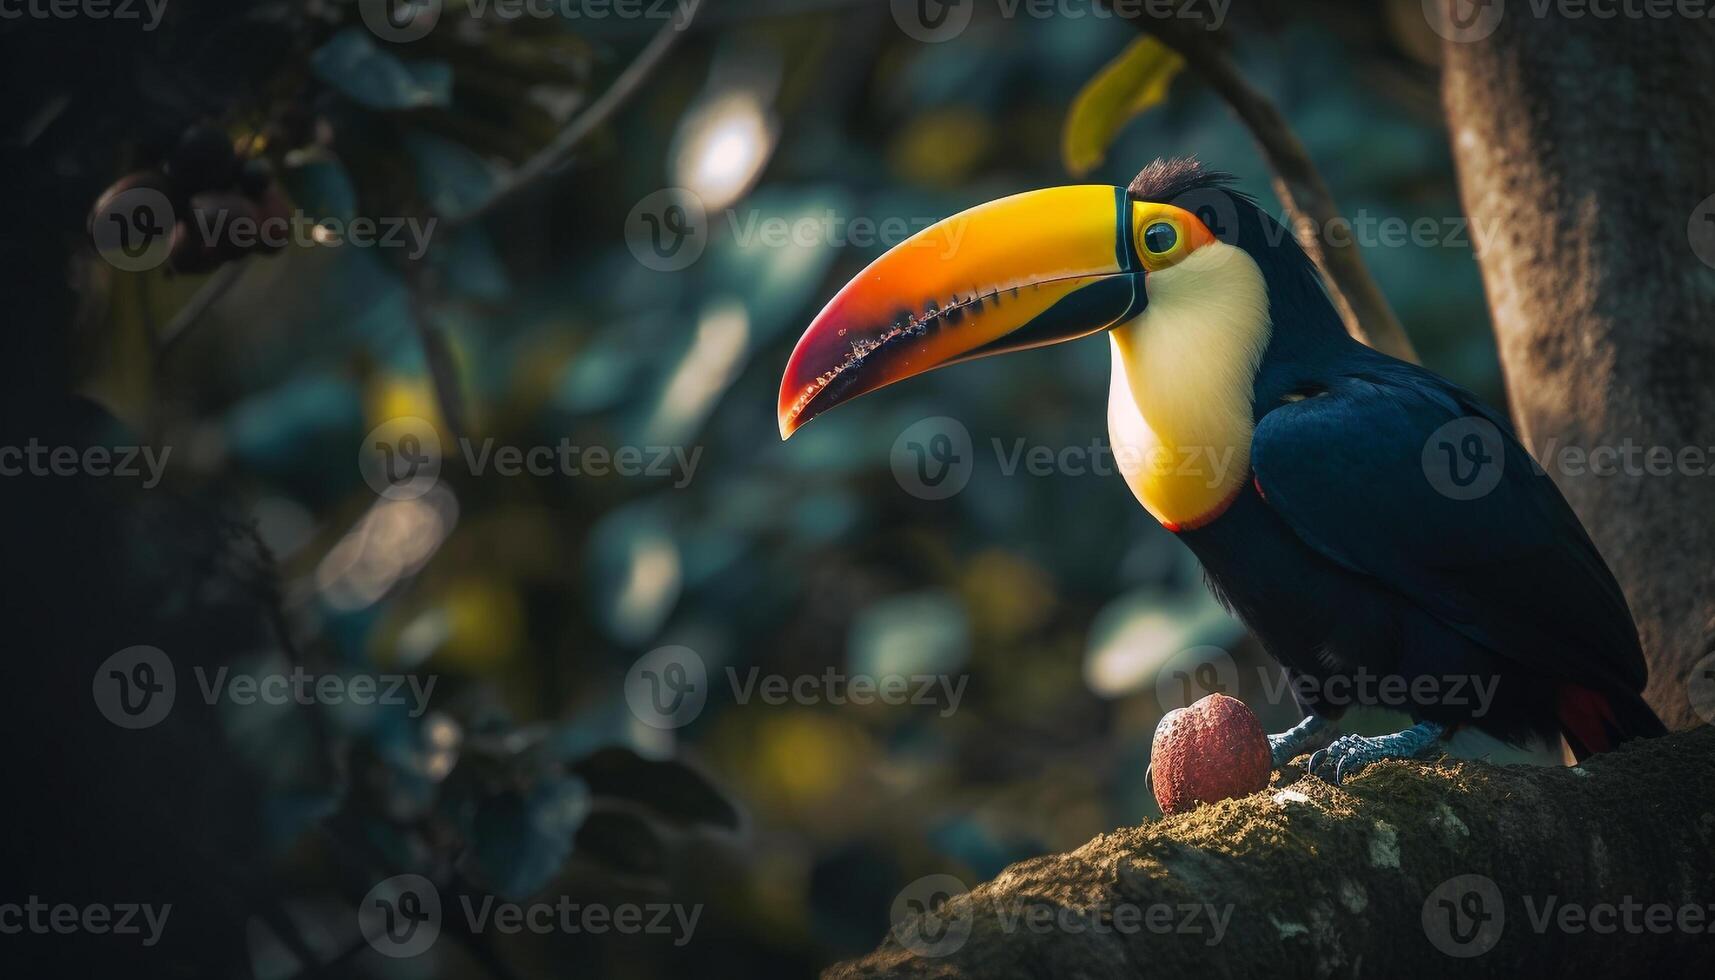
x: 1166, y: 179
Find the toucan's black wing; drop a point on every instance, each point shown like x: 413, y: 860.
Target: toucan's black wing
x: 1402, y: 476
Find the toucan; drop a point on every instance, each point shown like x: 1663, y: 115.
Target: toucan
x: 1373, y: 519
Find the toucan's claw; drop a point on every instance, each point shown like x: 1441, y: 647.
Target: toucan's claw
x: 1350, y: 753
x: 1286, y: 746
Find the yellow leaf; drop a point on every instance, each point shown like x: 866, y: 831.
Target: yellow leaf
x: 1125, y: 87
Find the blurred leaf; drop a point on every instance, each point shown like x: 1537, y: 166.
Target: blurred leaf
x: 351, y: 63
x: 469, y: 267
x: 321, y: 188
x: 708, y: 366
x: 453, y: 178
x: 522, y: 841
x: 279, y: 427
x: 921, y: 633
x: 636, y: 573
x: 777, y: 280
x: 942, y: 147
x: 1134, y: 636
x: 671, y: 789
x: 1127, y: 86
x: 803, y: 759
x: 624, y: 841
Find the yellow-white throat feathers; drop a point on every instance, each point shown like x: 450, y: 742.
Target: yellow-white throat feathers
x: 1180, y: 410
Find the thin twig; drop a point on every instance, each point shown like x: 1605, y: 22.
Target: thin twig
x: 551, y: 157
x: 217, y: 286
x: 1356, y: 296
x: 421, y: 285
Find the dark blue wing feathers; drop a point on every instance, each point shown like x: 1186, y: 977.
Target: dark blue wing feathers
x: 1511, y: 568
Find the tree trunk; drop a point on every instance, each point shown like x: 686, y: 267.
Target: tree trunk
x: 1411, y: 870
x: 1585, y: 149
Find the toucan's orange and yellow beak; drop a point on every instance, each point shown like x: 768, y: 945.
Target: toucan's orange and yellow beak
x: 1025, y: 271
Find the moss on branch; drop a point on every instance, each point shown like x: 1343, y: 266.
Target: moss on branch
x: 1607, y: 867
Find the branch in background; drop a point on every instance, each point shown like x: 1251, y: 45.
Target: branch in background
x: 550, y: 158
x: 1314, y: 880
x: 191, y: 313
x: 1299, y: 184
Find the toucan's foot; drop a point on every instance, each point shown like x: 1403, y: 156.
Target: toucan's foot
x: 1286, y: 746
x: 1350, y: 753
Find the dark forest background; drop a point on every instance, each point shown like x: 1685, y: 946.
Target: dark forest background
x: 535, y: 315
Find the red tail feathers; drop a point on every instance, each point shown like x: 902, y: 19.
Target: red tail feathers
x: 1594, y: 722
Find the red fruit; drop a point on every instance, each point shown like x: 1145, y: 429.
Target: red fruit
x: 1213, y: 750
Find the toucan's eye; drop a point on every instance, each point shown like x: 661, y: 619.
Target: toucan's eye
x: 1160, y: 238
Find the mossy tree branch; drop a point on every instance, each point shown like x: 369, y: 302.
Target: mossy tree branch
x: 1603, y: 869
